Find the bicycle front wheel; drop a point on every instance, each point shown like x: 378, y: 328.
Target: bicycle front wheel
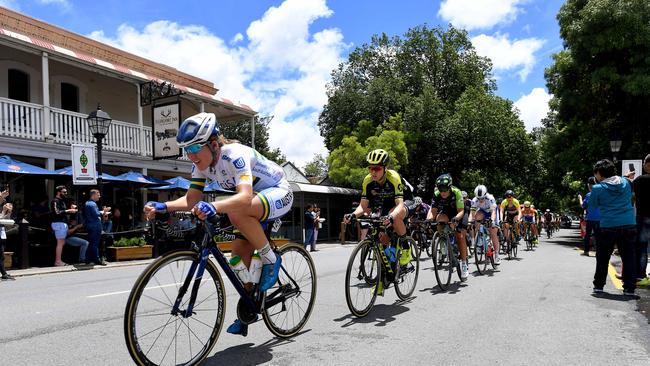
x: 154, y: 334
x: 407, y: 274
x: 480, y: 255
x: 290, y: 301
x: 442, y: 262
x: 362, y: 275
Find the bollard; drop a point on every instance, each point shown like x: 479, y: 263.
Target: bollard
x: 23, y: 233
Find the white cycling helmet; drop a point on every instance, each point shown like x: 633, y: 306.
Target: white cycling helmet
x: 417, y: 201
x: 198, y: 129
x: 464, y: 194
x: 480, y: 191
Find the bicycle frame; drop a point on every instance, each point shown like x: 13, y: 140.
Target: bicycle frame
x: 377, y: 228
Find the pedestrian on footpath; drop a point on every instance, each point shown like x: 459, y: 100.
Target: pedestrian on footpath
x: 642, y: 195
x: 5, y: 213
x: 60, y: 212
x: 93, y: 223
x: 592, y: 218
x: 309, y: 226
x: 317, y: 225
x: 613, y: 196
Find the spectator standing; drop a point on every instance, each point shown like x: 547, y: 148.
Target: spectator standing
x: 5, y: 213
x: 592, y: 217
x: 317, y: 224
x: 613, y: 196
x: 309, y: 226
x: 642, y: 194
x: 60, y: 212
x: 93, y: 223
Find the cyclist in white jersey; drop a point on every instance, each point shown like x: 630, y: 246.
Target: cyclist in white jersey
x: 484, y: 206
x: 261, y: 192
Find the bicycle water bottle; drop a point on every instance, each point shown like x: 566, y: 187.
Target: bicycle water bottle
x: 391, y: 253
x: 256, y: 268
x: 240, y: 269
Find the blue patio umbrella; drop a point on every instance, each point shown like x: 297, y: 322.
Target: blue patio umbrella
x: 105, y: 176
x: 9, y: 165
x: 176, y: 183
x: 137, y: 177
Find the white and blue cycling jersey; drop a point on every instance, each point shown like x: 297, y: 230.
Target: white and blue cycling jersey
x: 485, y: 206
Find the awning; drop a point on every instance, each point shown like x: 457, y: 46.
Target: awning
x: 10, y: 165
x: 315, y: 188
x: 105, y: 176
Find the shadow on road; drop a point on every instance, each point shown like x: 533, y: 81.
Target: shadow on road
x: 249, y: 353
x: 453, y: 288
x: 381, y: 314
x: 615, y: 297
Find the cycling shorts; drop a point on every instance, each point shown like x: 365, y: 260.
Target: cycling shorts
x: 510, y: 218
x: 276, y: 200
x: 530, y: 219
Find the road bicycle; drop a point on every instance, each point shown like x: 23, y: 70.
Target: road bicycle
x: 528, y: 236
x: 420, y: 233
x: 484, y: 251
x: 446, y: 255
x: 370, y: 269
x: 176, y: 309
x: 510, y: 242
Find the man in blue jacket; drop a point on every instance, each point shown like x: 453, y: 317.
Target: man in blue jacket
x: 613, y: 196
x: 93, y: 224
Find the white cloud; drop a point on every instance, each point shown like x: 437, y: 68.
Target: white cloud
x: 533, y: 107
x: 479, y: 14
x: 237, y: 38
x: 282, y: 70
x: 506, y: 55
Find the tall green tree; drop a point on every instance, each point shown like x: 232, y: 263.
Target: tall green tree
x: 241, y: 131
x: 317, y: 167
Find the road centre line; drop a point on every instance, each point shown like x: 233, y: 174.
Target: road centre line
x: 127, y: 291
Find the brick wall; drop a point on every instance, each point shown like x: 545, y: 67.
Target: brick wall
x: 60, y: 37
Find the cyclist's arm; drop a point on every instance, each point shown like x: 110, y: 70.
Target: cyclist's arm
x: 363, y: 207
x: 240, y: 201
x: 493, y: 213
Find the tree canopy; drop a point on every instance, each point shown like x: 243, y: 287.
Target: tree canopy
x: 241, y: 131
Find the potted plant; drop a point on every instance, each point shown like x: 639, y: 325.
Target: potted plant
x: 130, y: 248
x: 224, y: 244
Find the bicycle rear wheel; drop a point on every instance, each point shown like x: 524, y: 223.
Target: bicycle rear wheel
x: 362, y: 274
x: 156, y: 336
x: 442, y: 262
x: 407, y: 275
x: 417, y: 237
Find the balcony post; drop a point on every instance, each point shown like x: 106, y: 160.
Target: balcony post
x: 45, y: 77
x: 143, y: 150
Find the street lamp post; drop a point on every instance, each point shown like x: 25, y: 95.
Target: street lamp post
x: 615, y: 146
x: 99, y: 123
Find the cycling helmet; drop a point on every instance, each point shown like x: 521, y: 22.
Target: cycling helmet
x: 378, y: 157
x: 464, y: 194
x: 198, y: 129
x: 527, y: 204
x: 548, y: 210
x: 510, y: 193
x: 417, y: 201
x: 532, y: 206
x: 444, y: 182
x: 480, y: 191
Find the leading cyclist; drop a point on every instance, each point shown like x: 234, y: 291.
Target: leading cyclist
x: 262, y: 192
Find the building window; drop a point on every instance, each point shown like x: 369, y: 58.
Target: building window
x: 18, y: 85
x: 69, y: 97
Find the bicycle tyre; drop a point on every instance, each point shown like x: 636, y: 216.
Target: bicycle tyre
x: 294, y: 257
x: 367, y: 258
x: 480, y: 256
x: 134, y: 341
x: 417, y: 237
x: 442, y: 262
x: 405, y: 282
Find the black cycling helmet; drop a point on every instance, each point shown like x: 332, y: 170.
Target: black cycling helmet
x: 443, y: 183
x: 510, y: 193
x: 378, y: 157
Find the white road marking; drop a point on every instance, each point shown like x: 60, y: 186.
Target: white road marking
x: 126, y: 292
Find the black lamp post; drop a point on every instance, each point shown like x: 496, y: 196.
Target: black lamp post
x: 615, y: 145
x: 99, y: 123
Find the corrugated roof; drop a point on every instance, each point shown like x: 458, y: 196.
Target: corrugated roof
x: 315, y: 188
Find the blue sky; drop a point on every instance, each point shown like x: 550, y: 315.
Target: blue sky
x: 276, y: 55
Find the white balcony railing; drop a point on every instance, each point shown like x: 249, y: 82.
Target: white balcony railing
x: 21, y: 120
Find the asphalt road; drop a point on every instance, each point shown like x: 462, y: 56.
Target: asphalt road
x: 537, y: 310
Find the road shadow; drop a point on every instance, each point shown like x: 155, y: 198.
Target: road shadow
x: 452, y: 289
x: 249, y: 353
x: 381, y: 315
x: 615, y: 297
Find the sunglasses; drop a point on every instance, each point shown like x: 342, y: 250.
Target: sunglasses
x: 508, y: 196
x: 194, y: 148
x: 443, y: 189
x: 375, y: 168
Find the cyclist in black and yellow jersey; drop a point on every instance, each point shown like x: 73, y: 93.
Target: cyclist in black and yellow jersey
x: 510, y: 213
x: 383, y: 190
x: 448, y: 205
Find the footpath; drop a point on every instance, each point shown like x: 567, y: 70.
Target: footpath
x: 32, y: 271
